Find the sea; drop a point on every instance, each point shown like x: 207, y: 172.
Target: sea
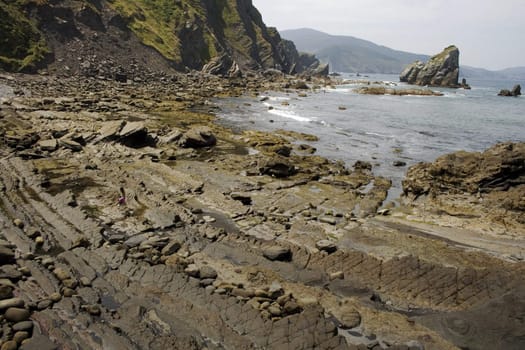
x: 386, y: 130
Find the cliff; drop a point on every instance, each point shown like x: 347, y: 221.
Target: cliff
x: 441, y: 70
x: 94, y: 36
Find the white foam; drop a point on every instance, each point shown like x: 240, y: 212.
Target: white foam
x: 289, y: 115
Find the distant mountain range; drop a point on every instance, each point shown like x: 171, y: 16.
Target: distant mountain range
x: 353, y: 55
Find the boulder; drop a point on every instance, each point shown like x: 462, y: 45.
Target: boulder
x: 135, y: 135
x: 110, y: 129
x: 326, y: 246
x: 441, y: 70
x: 277, y: 253
x: 48, y: 145
x: 198, y: 137
x: 223, y: 65
x: 277, y: 166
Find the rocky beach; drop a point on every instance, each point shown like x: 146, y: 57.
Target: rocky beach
x: 131, y: 219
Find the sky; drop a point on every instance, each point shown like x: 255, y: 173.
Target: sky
x: 488, y: 33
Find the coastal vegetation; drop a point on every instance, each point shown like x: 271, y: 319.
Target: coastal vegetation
x: 22, y: 45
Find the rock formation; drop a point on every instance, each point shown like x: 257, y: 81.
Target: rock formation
x: 441, y: 70
x: 97, y: 38
x: 490, y: 184
x: 500, y: 167
x: 515, y: 92
x: 381, y: 90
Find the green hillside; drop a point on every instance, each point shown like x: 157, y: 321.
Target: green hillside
x: 22, y: 45
x: 188, y: 33
x: 350, y: 54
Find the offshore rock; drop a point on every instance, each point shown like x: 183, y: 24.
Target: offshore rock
x: 441, y: 70
x: 515, y: 92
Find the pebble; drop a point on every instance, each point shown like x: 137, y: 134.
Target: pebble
x: 350, y: 319
x: 20, y: 336
x: 339, y: 275
x: 86, y: 282
x: 207, y: 272
x: 328, y: 220
x: 23, y: 326
x: 220, y: 291
x: 48, y: 262
x: 61, y: 273
x: 33, y: 233
x: 13, y: 302
x: 55, y: 297
x: 25, y: 271
x: 44, y: 304
x: 6, y: 292
x: 15, y: 314
x: 18, y: 223
x: 9, y: 345
x: 68, y: 292
x: 93, y: 310
x: 70, y: 283
x: 39, y: 240
x: 275, y: 310
x: 192, y: 270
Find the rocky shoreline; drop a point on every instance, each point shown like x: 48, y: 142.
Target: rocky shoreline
x: 131, y: 220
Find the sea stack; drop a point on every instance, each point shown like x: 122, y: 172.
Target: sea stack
x: 441, y: 70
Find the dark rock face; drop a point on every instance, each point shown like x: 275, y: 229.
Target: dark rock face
x: 500, y: 167
x: 218, y: 37
x: 515, y: 92
x: 441, y: 70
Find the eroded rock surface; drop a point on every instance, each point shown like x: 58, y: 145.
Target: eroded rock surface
x: 154, y: 246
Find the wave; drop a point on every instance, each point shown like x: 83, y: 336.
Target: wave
x: 289, y: 115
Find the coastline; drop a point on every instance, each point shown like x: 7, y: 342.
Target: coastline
x: 252, y: 236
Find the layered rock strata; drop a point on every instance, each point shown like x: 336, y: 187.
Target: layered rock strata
x: 123, y: 236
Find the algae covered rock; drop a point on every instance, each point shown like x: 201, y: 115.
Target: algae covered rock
x: 441, y: 70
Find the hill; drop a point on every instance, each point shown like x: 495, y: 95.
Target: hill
x: 350, y: 54
x: 514, y: 73
x: 91, y: 36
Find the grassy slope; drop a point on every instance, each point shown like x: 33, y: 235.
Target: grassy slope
x: 22, y: 45
x: 166, y: 25
x: 158, y: 22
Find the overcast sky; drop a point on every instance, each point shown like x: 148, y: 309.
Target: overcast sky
x: 489, y: 33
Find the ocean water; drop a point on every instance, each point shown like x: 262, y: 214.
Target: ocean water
x: 385, y: 129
